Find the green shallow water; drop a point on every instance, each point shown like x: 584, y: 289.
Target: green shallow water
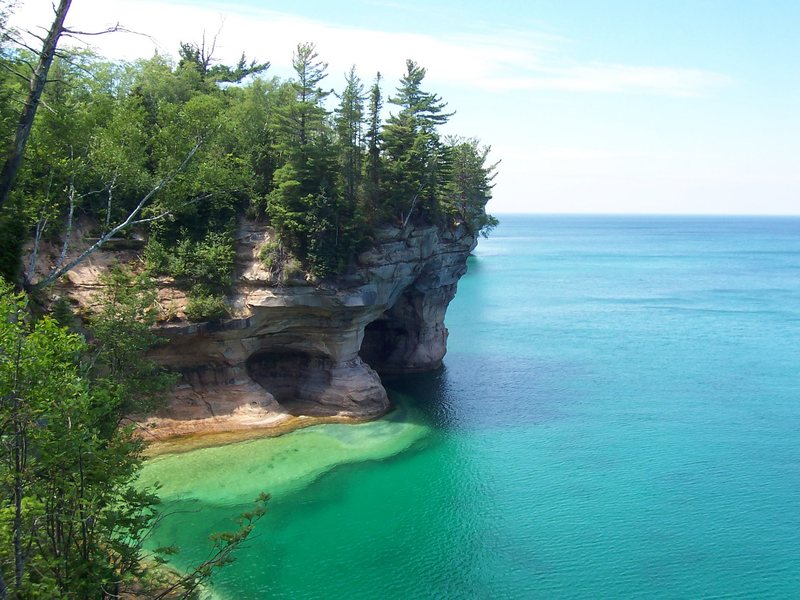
x: 236, y: 473
x: 618, y: 417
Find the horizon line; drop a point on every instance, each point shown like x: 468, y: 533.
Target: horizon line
x: 643, y: 214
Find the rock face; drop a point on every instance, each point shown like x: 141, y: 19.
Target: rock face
x: 314, y: 350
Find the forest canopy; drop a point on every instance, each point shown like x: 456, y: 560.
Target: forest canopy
x: 324, y: 168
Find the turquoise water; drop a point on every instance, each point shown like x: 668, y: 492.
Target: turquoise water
x: 618, y: 416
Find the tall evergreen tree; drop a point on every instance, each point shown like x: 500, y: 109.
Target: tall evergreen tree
x: 349, y: 129
x: 310, y: 156
x: 415, y: 159
x: 308, y: 113
x: 373, y: 162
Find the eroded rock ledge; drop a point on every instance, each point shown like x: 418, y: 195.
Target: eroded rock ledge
x: 297, y: 351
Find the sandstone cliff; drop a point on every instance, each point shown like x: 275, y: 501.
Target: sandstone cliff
x: 304, y: 350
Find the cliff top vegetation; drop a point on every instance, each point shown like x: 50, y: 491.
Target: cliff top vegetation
x: 178, y: 151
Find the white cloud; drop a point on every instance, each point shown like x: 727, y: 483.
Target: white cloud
x: 502, y: 61
x: 609, y: 78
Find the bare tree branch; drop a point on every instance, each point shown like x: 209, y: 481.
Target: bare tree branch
x: 41, y: 38
x: 114, y: 29
x: 129, y: 221
x: 167, y: 213
x: 220, y: 555
x: 111, y: 187
x: 19, y: 42
x: 14, y: 71
x: 118, y: 28
x: 40, y: 227
x: 67, y: 58
x: 68, y: 231
x: 413, y: 204
x: 431, y: 168
x: 48, y: 107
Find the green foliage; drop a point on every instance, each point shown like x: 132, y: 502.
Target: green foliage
x: 372, y: 165
x: 349, y: 125
x: 61, y: 312
x: 157, y: 258
x: 292, y: 272
x: 270, y: 255
x: 122, y: 332
x: 72, y: 520
x: 207, y: 265
x: 306, y: 141
x: 304, y: 117
x: 282, y: 266
x: 206, y: 307
x: 470, y: 184
x: 70, y: 511
x: 200, y: 58
x: 267, y: 148
x: 416, y: 162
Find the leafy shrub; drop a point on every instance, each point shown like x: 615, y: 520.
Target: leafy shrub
x: 122, y: 334
x: 207, y: 265
x: 157, y: 258
x: 206, y: 307
x: 293, y: 271
x: 269, y: 254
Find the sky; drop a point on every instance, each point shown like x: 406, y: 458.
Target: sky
x: 620, y: 106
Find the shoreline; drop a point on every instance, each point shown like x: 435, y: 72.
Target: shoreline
x: 181, y: 443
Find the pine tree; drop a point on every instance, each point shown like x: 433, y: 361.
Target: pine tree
x: 349, y: 129
x: 415, y: 158
x: 373, y: 163
x: 301, y: 121
x: 201, y: 58
x: 308, y: 113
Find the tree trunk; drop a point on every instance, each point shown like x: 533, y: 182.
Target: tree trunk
x: 16, y: 149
